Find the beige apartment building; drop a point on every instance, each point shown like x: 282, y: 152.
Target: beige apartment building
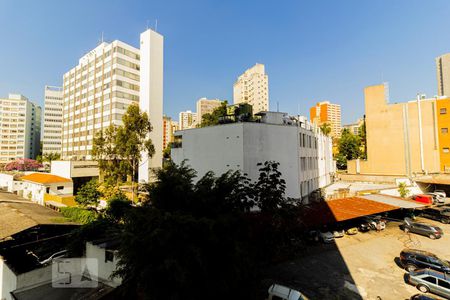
x: 252, y: 87
x: 187, y: 119
x: 96, y: 94
x: 20, y: 128
x: 402, y: 138
x: 206, y: 106
x: 169, y: 127
x: 53, y: 116
x: 326, y: 112
x: 443, y: 74
x: 354, y: 128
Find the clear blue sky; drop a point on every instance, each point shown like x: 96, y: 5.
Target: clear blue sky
x: 313, y: 50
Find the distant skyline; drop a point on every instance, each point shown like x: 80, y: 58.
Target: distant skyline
x: 312, y: 50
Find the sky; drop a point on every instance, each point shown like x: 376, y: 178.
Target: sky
x: 313, y: 50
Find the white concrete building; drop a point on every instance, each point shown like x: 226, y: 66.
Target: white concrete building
x: 96, y: 94
x: 151, y: 97
x: 252, y: 87
x: 53, y: 116
x: 187, y: 119
x: 206, y: 106
x: 36, y: 185
x: 304, y: 154
x: 20, y: 128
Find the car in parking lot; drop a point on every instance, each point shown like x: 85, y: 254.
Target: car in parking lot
x: 324, y: 236
x: 441, y: 214
x: 351, y: 231
x: 423, y: 297
x: 427, y: 199
x: 441, y: 192
x: 437, y: 198
x: 280, y: 292
x: 427, y: 280
x: 413, y: 259
x: 431, y: 231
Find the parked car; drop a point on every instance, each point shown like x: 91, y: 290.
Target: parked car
x: 438, y: 213
x: 324, y: 236
x: 433, y: 232
x: 351, y: 231
x: 437, y: 198
x: 427, y: 280
x: 427, y: 199
x: 279, y: 292
x: 338, y: 233
x: 375, y: 222
x: 413, y: 259
x: 423, y: 297
x: 364, y: 227
x: 442, y: 192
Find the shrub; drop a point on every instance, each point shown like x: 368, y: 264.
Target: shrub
x: 79, y: 215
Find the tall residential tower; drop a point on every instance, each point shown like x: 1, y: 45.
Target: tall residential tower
x: 326, y: 112
x: 53, y: 116
x: 252, y: 87
x: 20, y: 128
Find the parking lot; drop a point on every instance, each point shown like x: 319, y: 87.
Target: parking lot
x: 358, y: 267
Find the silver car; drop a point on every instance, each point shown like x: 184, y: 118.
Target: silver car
x: 427, y: 280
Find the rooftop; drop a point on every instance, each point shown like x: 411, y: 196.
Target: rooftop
x: 16, y: 217
x: 44, y: 178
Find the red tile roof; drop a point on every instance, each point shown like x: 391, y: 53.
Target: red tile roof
x: 44, y: 178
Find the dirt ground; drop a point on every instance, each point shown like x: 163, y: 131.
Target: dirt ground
x: 362, y: 266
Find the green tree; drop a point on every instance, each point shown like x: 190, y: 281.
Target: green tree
x: 118, y: 206
x: 349, y: 145
x: 403, y: 191
x: 269, y: 190
x: 326, y: 129
x: 88, y: 194
x: 212, y: 119
x: 105, y: 151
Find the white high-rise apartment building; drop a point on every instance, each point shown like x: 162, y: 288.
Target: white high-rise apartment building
x: 187, y: 119
x: 20, y: 128
x: 53, y: 117
x: 252, y: 87
x: 206, y: 106
x: 97, y: 93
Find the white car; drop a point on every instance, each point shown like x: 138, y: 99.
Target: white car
x: 441, y: 192
x: 277, y: 291
x: 437, y: 197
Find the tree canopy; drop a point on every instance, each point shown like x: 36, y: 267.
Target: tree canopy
x: 349, y: 146
x: 212, y: 119
x: 326, y: 129
x: 88, y: 194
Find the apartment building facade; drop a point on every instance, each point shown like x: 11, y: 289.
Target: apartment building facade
x: 169, y: 127
x: 187, y: 119
x: 326, y: 112
x: 20, y: 128
x: 252, y: 87
x: 404, y: 139
x: 354, y: 128
x: 206, y: 106
x: 53, y: 118
x: 443, y: 74
x: 96, y: 94
x: 304, y: 153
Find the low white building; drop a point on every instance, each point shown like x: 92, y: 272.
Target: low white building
x: 36, y: 185
x: 10, y: 182
x: 304, y: 153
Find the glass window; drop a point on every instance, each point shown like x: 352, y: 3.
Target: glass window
x: 445, y: 150
x: 444, y: 284
x: 444, y: 130
x: 60, y: 188
x: 430, y: 279
x: 443, y: 111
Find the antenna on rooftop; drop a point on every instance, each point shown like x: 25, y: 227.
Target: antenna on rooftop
x: 156, y: 24
x: 278, y: 107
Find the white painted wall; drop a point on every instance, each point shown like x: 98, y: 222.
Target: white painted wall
x: 74, y: 169
x: 151, y: 97
x: 105, y: 269
x: 8, y: 281
x: 304, y: 154
x: 38, y: 190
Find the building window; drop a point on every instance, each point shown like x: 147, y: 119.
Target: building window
x: 445, y: 150
x: 444, y: 130
x: 443, y: 111
x: 109, y: 255
x: 60, y: 188
x: 47, y: 190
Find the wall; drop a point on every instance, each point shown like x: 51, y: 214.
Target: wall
x: 105, y: 269
x: 444, y: 138
x: 241, y: 146
x: 8, y: 281
x: 34, y: 277
x: 38, y: 190
x: 75, y: 169
x: 394, y: 128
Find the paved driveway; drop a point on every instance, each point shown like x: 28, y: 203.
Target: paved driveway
x: 364, y: 263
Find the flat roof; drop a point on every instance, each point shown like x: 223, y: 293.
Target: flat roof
x: 19, y: 216
x: 395, y: 201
